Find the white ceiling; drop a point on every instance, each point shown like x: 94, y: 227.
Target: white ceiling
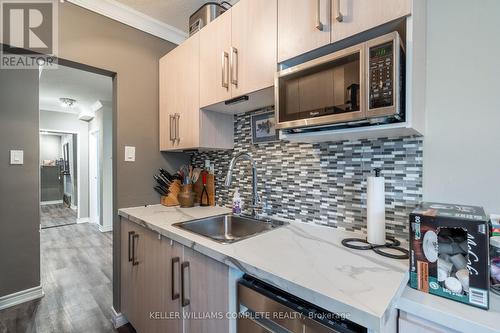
x: 172, y: 12
x: 83, y: 86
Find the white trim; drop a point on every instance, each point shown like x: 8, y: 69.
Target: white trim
x: 105, y: 228
x: 73, y: 207
x: 82, y: 220
x: 118, y: 319
x: 131, y: 17
x: 21, y: 297
x: 54, y: 202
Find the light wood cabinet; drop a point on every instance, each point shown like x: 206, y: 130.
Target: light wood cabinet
x: 160, y: 277
x: 133, y: 276
x: 215, y: 46
x: 254, y: 39
x: 206, y: 285
x: 182, y: 125
x: 179, y: 96
x: 303, y: 25
x: 238, y: 51
x: 351, y: 17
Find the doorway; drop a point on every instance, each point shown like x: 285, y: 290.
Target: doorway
x: 58, y: 178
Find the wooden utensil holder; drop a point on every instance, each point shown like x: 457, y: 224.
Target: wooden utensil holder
x: 171, y: 199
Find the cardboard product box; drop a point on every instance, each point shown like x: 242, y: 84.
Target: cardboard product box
x: 495, y: 224
x: 449, y: 252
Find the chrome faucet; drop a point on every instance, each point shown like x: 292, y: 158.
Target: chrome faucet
x: 255, y: 195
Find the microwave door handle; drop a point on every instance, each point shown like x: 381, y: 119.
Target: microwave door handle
x: 340, y: 16
x: 319, y: 25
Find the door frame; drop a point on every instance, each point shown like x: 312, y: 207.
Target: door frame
x: 94, y: 156
x: 79, y: 189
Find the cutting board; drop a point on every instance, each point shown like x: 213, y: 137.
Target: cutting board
x: 198, y: 188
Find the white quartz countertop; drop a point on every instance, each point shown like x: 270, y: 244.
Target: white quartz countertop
x: 448, y: 313
x: 305, y: 260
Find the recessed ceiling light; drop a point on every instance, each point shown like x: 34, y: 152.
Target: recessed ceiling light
x: 67, y: 102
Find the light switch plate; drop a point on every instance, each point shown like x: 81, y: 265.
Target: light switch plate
x: 17, y: 157
x: 129, y: 154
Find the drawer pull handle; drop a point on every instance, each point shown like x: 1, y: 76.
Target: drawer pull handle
x: 175, y: 262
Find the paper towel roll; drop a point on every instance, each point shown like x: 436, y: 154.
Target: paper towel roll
x: 375, y: 210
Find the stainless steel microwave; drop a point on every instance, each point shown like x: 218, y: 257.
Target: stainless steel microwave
x: 356, y: 84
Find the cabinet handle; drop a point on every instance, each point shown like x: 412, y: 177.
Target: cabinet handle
x: 177, y: 135
x: 319, y: 25
x: 134, y: 261
x: 225, y: 76
x: 340, y: 17
x: 130, y: 233
x: 234, y: 65
x: 184, y: 300
x: 175, y: 261
x: 172, y: 138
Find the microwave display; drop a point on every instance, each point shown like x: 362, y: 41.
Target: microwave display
x: 381, y: 76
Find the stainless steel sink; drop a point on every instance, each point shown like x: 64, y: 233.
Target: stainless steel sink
x: 227, y: 229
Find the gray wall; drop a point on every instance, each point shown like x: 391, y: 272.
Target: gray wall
x: 50, y: 147
x: 461, y: 152
x: 91, y: 39
x: 68, y: 122
x: 19, y: 184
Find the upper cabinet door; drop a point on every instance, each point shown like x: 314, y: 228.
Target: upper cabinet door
x: 253, y: 51
x: 351, y: 17
x: 303, y: 25
x: 167, y: 97
x: 215, y: 48
x: 179, y: 96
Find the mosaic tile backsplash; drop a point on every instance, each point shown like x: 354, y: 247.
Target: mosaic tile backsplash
x: 323, y: 183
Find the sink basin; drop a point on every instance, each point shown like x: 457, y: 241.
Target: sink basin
x: 227, y: 229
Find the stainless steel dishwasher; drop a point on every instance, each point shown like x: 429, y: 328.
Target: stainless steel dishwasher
x: 264, y: 308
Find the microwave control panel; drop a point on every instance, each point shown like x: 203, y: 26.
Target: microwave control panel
x: 381, y: 78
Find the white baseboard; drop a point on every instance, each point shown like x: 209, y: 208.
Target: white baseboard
x: 20, y: 297
x: 82, y: 220
x: 118, y: 319
x: 55, y: 202
x: 105, y: 228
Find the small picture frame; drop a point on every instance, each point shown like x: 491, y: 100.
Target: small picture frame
x: 264, y: 128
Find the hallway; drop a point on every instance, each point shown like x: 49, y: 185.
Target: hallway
x: 76, y: 277
x: 56, y: 215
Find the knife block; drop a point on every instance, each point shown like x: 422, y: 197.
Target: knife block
x: 171, y: 199
x: 198, y: 188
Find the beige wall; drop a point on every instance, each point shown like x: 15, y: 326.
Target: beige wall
x: 91, y: 39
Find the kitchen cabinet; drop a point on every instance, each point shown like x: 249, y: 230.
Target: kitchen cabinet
x: 351, y: 17
x: 238, y: 52
x: 302, y: 26
x: 206, y: 288
x: 253, y: 35
x: 179, y: 96
x: 132, y: 273
x: 183, y: 126
x: 307, y: 25
x: 215, y: 46
x: 161, y: 276
x: 409, y: 323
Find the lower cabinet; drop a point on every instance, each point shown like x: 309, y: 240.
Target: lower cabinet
x: 167, y: 287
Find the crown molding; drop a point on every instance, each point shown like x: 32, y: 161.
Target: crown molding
x: 131, y: 17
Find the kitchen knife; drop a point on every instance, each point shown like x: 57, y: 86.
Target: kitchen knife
x: 161, y: 191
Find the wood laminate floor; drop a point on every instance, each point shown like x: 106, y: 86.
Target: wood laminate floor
x: 56, y: 215
x: 76, y: 273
